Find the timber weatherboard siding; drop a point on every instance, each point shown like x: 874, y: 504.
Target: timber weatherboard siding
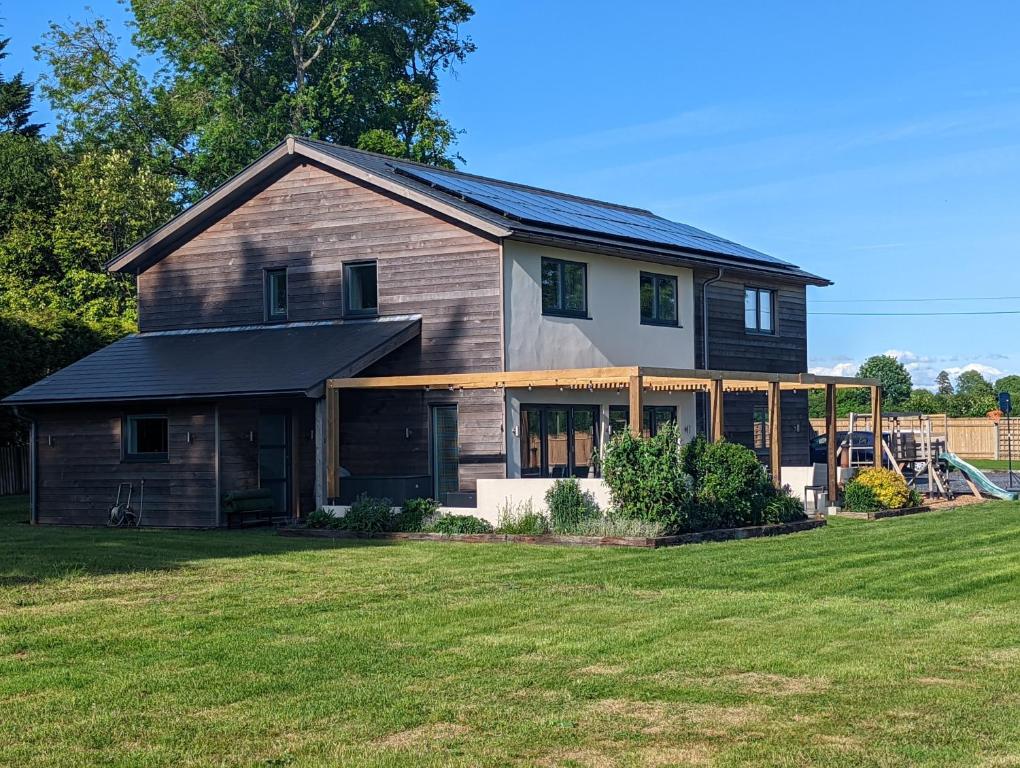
x: 731, y: 348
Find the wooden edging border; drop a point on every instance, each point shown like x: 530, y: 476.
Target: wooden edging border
x: 883, y: 514
x: 721, y: 534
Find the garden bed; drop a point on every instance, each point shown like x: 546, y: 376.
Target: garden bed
x: 721, y: 534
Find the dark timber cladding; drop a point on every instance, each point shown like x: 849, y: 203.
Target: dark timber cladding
x: 314, y: 220
x: 731, y: 348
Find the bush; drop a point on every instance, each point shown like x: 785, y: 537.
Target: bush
x: 612, y: 525
x: 414, y: 514
x: 522, y: 520
x: 322, y: 518
x: 889, y: 488
x: 860, y: 498
x: 368, y: 515
x: 784, y: 508
x: 646, y: 478
x: 569, y: 505
x: 459, y: 524
x: 731, y: 487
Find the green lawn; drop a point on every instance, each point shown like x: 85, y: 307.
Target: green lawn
x: 998, y: 464
x: 863, y: 644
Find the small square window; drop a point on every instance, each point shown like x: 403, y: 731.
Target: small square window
x: 146, y: 437
x: 362, y: 289
x: 759, y: 315
x: 659, y: 300
x: 276, y: 294
x: 564, y: 288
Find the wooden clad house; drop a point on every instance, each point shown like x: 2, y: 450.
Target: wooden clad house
x: 320, y: 262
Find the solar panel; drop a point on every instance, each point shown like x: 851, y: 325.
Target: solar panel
x: 587, y: 216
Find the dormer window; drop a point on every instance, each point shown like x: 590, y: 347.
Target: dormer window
x: 276, y: 295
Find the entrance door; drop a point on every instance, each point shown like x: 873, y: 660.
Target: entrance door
x: 274, y: 458
x: 445, y: 454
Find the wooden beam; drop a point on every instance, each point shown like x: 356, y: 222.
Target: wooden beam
x: 776, y: 433
x: 332, y: 444
x: 715, y: 400
x: 876, y: 425
x: 636, y: 387
x: 830, y: 442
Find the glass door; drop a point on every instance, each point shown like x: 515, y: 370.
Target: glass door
x: 558, y: 440
x: 445, y: 452
x: 274, y: 458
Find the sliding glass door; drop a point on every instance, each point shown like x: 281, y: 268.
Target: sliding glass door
x: 445, y: 452
x: 558, y: 440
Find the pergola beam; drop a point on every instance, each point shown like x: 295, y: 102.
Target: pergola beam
x: 776, y: 434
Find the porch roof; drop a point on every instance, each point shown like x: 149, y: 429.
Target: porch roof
x: 286, y: 359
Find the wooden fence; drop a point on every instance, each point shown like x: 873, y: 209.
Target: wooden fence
x: 976, y: 438
x: 13, y: 470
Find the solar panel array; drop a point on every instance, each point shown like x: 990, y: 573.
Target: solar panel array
x: 587, y: 216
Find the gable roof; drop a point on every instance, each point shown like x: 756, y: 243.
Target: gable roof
x: 498, y: 208
x: 292, y: 359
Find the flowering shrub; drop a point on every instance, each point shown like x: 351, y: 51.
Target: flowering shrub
x: 888, y: 487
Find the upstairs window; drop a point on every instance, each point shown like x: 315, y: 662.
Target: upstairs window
x: 759, y: 310
x: 564, y: 288
x: 658, y: 299
x: 362, y: 291
x: 276, y: 294
x: 146, y: 437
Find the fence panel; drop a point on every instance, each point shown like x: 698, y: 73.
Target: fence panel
x: 13, y: 470
x: 970, y: 438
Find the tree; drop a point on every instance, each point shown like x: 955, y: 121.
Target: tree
x: 943, y: 384
x: 15, y: 102
x: 1010, y: 384
x: 895, y: 378
x: 974, y: 396
x: 236, y: 76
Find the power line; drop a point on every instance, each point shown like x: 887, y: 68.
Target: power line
x: 890, y: 301
x: 919, y: 314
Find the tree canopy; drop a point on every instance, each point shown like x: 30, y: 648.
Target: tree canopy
x: 235, y: 76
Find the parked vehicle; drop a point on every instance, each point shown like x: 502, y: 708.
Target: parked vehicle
x: 863, y: 444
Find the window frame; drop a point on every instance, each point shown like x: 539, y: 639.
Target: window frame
x: 646, y: 411
x: 267, y: 294
x: 543, y: 410
x: 758, y: 330
x: 561, y: 310
x: 656, y: 278
x: 128, y: 420
x: 351, y: 265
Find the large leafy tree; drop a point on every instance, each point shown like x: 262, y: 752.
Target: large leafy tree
x: 235, y: 76
x: 15, y: 102
x: 943, y: 384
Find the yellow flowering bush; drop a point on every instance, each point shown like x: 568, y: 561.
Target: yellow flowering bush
x: 889, y: 487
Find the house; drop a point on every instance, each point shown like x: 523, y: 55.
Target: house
x: 320, y: 263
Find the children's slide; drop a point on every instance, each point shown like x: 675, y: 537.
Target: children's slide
x: 978, y: 477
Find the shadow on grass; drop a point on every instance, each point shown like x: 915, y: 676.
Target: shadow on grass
x: 31, y: 554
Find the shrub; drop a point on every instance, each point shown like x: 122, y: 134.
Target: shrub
x: 459, y: 524
x: 858, y: 497
x: 784, y: 508
x: 646, y: 477
x: 369, y: 515
x: 731, y: 487
x: 414, y: 514
x: 890, y: 489
x: 568, y: 505
x: 521, y: 519
x: 612, y: 525
x: 322, y: 518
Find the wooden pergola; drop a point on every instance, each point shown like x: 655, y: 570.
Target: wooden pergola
x: 637, y: 380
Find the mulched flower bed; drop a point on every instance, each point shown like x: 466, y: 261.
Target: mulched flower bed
x: 931, y: 506
x: 722, y: 534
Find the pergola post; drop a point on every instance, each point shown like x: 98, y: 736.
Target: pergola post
x: 830, y: 442
x: 775, y: 433
x: 332, y: 443
x: 876, y: 424
x: 715, y: 408
x: 636, y: 392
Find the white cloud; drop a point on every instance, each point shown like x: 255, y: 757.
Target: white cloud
x: 987, y: 371
x: 922, y: 368
x: 840, y: 369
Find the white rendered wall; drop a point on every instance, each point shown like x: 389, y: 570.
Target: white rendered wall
x: 612, y: 335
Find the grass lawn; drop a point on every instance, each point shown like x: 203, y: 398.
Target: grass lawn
x: 863, y: 644
x: 996, y: 464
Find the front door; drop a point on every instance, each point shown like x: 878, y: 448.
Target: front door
x: 274, y: 458
x: 445, y: 455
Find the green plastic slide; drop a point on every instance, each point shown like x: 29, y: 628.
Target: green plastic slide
x: 978, y: 477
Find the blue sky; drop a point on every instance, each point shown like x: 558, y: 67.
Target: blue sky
x: 874, y: 143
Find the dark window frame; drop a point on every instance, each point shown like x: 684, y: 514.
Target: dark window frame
x: 128, y: 420
x: 757, y: 329
x: 267, y: 294
x: 560, y: 309
x: 646, y: 410
x: 348, y: 310
x: 543, y: 409
x: 656, y: 278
